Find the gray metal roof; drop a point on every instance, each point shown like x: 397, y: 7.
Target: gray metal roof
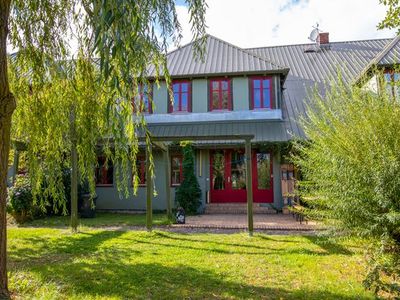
x: 220, y: 58
x: 262, y: 130
x: 391, y: 54
x: 308, y: 70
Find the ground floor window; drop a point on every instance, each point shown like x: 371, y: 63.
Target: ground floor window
x: 141, y: 170
x: 176, y: 170
x: 104, y: 172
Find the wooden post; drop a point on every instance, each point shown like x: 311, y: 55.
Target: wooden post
x: 168, y: 182
x: 149, y: 191
x: 249, y: 188
x: 74, y: 175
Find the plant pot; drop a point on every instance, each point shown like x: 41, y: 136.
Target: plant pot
x: 85, y: 209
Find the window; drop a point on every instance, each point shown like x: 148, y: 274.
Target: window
x: 176, y: 170
x: 220, y: 94
x: 104, y: 172
x: 261, y: 92
x: 143, y: 100
x: 182, y: 97
x: 393, y: 83
x: 141, y: 170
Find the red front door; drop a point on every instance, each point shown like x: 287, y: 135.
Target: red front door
x: 228, y: 176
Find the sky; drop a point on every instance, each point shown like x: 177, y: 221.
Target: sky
x: 256, y: 23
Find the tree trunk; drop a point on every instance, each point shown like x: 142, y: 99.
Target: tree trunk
x: 7, y: 106
x: 74, y: 175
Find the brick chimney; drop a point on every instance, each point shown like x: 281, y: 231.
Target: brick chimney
x: 323, y: 38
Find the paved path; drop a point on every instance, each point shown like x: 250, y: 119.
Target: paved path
x: 239, y: 221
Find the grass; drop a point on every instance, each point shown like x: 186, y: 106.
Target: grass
x: 51, y: 263
x: 101, y: 219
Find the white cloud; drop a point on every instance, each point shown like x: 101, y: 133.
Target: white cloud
x: 255, y: 23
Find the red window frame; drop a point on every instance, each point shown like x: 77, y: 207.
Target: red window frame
x: 141, y: 165
x: 102, y: 172
x: 219, y: 90
x: 141, y: 100
x: 180, y: 92
x: 180, y: 158
x: 252, y: 88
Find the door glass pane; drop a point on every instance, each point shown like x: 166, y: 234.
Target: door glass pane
x: 215, y: 85
x: 256, y: 83
x: 185, y: 87
x: 224, y: 85
x: 218, y: 171
x: 175, y: 87
x: 238, y: 170
x: 215, y: 100
x: 225, y: 100
x: 263, y: 171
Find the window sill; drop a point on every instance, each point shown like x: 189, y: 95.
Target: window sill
x: 104, y: 185
x: 182, y: 112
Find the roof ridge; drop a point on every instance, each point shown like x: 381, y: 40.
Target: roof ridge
x: 378, y: 58
x: 231, y: 45
x: 247, y: 52
x: 307, y: 44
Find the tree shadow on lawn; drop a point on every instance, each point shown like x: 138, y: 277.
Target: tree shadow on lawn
x: 156, y: 281
x: 256, y: 251
x: 58, y: 249
x: 329, y: 245
x: 186, y: 237
x: 109, y: 272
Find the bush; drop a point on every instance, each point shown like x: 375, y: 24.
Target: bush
x: 188, y: 194
x: 351, y: 168
x: 20, y: 200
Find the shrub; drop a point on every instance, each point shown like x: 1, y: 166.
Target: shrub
x: 351, y: 168
x: 20, y: 200
x: 188, y: 194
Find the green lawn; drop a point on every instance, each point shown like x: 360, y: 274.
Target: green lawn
x: 51, y: 263
x: 101, y: 219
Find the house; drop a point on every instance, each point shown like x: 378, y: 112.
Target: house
x: 260, y: 92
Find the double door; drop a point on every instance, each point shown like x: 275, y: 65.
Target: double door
x: 228, y: 176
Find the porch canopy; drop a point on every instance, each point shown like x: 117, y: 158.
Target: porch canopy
x: 158, y: 141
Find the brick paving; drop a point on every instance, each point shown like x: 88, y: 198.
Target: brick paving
x: 239, y: 221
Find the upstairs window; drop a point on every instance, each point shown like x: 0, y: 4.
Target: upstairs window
x: 182, y: 96
x: 142, y: 102
x: 220, y: 94
x: 141, y: 170
x: 176, y: 170
x: 104, y: 172
x: 261, y: 92
x: 392, y: 79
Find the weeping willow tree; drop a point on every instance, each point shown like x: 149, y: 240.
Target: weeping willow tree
x: 59, y: 109
x: 351, y: 167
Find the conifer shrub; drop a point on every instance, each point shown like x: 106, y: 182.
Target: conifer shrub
x: 188, y: 194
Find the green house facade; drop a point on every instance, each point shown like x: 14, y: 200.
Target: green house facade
x: 258, y: 92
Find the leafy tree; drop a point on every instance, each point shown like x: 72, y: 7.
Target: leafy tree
x: 188, y: 194
x: 126, y: 36
x: 351, y: 167
x: 392, y: 18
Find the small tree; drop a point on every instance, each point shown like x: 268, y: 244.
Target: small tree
x: 189, y: 193
x: 351, y: 168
